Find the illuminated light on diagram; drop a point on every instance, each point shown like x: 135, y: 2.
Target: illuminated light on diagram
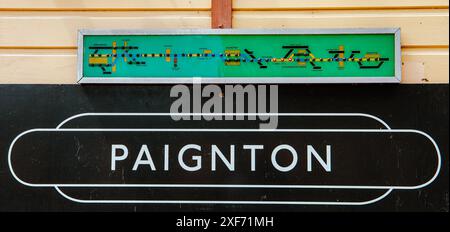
x: 240, y: 56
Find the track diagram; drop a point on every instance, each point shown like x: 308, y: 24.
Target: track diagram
x: 106, y: 57
x: 239, y: 55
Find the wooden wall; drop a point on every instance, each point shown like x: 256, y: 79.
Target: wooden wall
x: 38, y: 37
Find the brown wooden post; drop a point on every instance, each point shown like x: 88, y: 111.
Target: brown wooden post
x: 221, y: 13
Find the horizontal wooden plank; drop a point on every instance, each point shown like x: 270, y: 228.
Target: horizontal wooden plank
x: 59, y: 28
x: 206, y: 4
x: 421, y: 65
x: 104, y: 4
x: 22, y: 29
x: 419, y: 27
x: 54, y: 66
x: 333, y: 4
x: 32, y: 66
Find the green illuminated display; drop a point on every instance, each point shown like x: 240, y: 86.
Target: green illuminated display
x: 239, y: 56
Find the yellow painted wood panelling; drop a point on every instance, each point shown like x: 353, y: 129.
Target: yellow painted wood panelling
x: 59, y: 29
x: 105, y: 4
x: 335, y: 4
x: 419, y: 27
x: 425, y: 65
x: 44, y: 66
x: 205, y: 4
x: 38, y: 37
x: 38, y: 66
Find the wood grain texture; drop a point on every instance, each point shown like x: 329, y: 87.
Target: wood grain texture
x: 58, y: 66
x: 425, y: 65
x: 221, y: 13
x: 59, y: 29
x: 36, y: 66
x: 104, y: 5
x: 206, y: 4
x: 334, y: 4
x: 419, y: 27
x: 38, y: 37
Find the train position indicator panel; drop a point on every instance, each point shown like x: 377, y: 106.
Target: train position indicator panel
x: 239, y: 56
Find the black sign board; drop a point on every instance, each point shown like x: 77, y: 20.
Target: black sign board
x: 336, y: 147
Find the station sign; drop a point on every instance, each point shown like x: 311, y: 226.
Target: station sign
x: 119, y: 146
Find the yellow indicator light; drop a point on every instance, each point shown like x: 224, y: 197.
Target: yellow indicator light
x: 168, y: 57
x: 98, y: 60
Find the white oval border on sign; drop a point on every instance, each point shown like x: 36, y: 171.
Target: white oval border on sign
x: 388, y: 189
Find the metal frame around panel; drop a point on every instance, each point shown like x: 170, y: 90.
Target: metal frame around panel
x: 238, y: 80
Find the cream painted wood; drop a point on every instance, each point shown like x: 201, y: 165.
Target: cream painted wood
x: 59, y: 29
x: 38, y: 37
x: 419, y: 27
x: 425, y: 65
x: 105, y: 4
x: 335, y: 4
x: 205, y: 4
x: 58, y: 66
